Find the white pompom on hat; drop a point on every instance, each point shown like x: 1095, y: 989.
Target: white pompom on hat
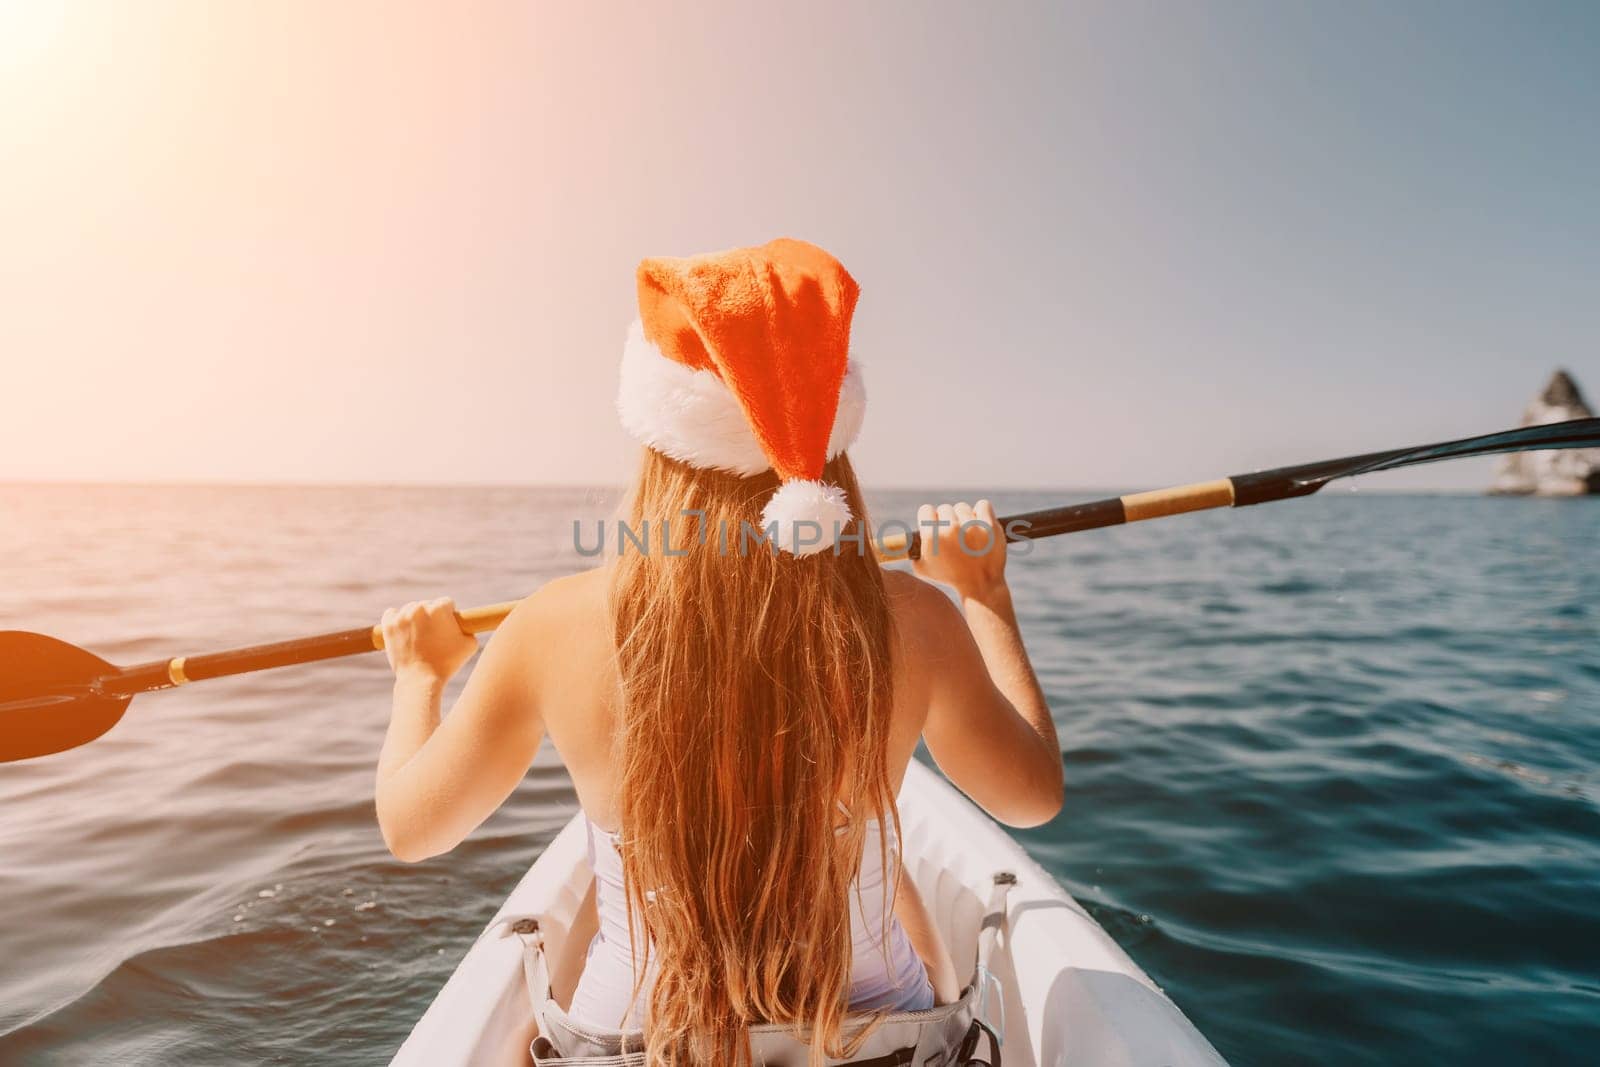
x: 740, y: 362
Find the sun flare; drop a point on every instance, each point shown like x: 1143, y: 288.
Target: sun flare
x: 27, y: 30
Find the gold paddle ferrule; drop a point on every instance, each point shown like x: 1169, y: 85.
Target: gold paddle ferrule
x: 175, y: 671
x: 1180, y: 499
x: 893, y: 547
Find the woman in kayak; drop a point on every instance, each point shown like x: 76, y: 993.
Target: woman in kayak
x: 737, y: 694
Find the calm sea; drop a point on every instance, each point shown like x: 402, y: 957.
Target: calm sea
x: 1330, y: 765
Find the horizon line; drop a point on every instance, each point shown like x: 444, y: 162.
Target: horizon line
x: 1109, y: 491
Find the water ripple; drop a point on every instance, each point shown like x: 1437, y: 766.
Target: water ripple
x: 1330, y: 771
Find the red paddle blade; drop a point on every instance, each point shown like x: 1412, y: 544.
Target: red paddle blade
x: 48, y: 699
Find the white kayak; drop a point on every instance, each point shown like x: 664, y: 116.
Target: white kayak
x: 1071, y: 995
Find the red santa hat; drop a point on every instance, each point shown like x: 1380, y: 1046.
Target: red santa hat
x: 740, y: 362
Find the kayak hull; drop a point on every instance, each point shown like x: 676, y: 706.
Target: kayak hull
x: 1071, y: 995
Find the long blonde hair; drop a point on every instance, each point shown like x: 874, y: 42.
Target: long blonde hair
x: 756, y: 697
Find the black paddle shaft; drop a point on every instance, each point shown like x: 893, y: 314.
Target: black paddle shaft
x: 1281, y: 483
x: 167, y: 673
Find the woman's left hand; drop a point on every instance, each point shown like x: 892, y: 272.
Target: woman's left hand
x: 423, y: 638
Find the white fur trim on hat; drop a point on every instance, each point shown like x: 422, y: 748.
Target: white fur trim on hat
x: 691, y: 416
x: 796, y: 506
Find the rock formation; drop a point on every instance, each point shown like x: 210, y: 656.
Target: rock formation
x: 1562, y: 472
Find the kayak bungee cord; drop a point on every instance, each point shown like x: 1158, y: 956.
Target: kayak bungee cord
x: 55, y: 696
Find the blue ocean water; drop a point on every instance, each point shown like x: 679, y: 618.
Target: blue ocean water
x: 1330, y: 765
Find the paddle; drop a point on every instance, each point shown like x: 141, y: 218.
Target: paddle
x: 1262, y: 487
x: 55, y: 696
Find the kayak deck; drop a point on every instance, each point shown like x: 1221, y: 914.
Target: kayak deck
x: 1071, y: 995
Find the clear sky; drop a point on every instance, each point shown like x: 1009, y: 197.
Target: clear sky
x: 1099, y: 245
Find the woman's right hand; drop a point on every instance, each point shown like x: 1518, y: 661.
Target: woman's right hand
x: 425, y: 639
x: 963, y: 547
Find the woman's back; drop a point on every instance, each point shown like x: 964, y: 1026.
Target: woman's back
x: 752, y: 790
x: 579, y: 695
x: 580, y: 698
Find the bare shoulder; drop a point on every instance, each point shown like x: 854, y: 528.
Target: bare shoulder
x: 923, y: 614
x: 563, y: 634
x: 560, y: 612
x: 586, y: 589
x: 926, y: 626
